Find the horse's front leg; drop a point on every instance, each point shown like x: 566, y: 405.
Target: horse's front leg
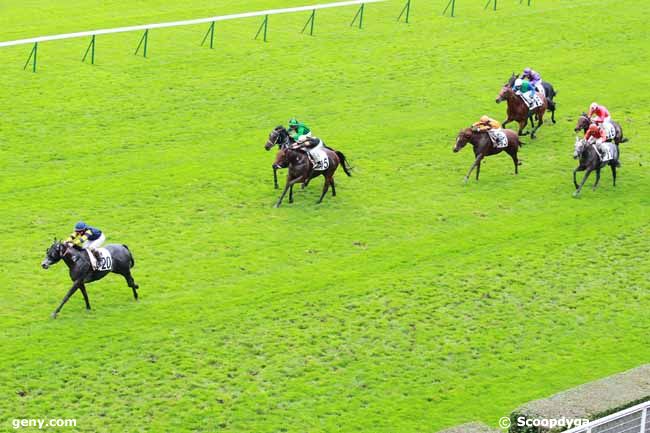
x: 584, y: 179
x: 275, y: 178
x: 575, y: 181
x: 522, y: 125
x: 291, y: 194
x: 613, y: 173
x: 289, y: 184
x: 476, y: 162
x: 85, y: 294
x: 73, y: 289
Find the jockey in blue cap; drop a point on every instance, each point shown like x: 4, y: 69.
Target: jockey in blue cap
x: 87, y: 237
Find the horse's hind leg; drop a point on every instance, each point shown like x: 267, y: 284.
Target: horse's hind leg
x: 85, y: 294
x: 515, y: 160
x: 478, y: 169
x: 326, y: 186
x: 539, y: 123
x: 333, y: 187
x: 131, y: 283
x: 551, y: 107
x: 597, y: 179
x: 291, y: 194
x: 613, y: 173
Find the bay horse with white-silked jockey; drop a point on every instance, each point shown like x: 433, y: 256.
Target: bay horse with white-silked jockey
x: 301, y: 169
x: 584, y: 121
x: 484, y: 147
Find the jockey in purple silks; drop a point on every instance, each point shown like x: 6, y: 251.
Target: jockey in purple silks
x: 535, y: 79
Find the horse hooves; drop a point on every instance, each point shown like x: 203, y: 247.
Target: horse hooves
x: 53, y: 315
x: 276, y: 205
x: 576, y: 194
x: 136, y: 286
x: 277, y: 187
x: 465, y: 180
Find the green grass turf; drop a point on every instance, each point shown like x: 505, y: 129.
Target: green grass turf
x: 407, y: 303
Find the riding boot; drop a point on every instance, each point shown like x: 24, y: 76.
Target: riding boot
x: 93, y: 256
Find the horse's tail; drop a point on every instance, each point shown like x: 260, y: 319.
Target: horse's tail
x: 130, y: 255
x: 344, y: 163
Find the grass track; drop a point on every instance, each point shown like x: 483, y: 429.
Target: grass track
x: 407, y: 303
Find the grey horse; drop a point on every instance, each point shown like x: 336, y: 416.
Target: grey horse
x: 591, y: 160
x: 81, y: 271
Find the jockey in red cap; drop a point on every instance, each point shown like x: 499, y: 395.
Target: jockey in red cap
x: 599, y: 113
x: 595, y: 133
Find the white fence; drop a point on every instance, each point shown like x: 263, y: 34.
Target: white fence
x: 633, y: 420
x: 184, y: 23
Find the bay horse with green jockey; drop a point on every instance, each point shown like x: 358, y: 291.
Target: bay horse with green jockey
x: 518, y: 110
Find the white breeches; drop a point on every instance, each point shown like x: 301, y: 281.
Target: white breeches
x: 96, y: 243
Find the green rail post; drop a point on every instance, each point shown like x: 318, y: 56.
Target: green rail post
x: 91, y: 48
x: 32, y: 55
x: 311, y: 19
x: 264, y: 26
x: 407, y: 9
x: 144, y: 39
x: 359, y: 15
x: 451, y: 3
x: 211, y: 33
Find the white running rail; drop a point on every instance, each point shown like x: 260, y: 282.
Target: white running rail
x: 632, y: 420
x: 184, y: 23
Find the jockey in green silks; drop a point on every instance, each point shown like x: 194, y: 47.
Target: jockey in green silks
x: 298, y: 130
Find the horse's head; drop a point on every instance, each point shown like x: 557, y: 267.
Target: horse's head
x: 279, y: 136
x: 505, y: 93
x: 464, y: 136
x: 583, y: 123
x: 579, y: 147
x: 511, y: 80
x: 53, y: 254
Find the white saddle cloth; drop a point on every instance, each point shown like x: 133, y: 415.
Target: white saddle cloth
x: 105, y: 261
x: 499, y: 138
x: 608, y: 151
x: 319, y: 157
x: 609, y: 130
x: 531, y: 102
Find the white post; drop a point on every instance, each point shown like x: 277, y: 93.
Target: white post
x: 644, y: 417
